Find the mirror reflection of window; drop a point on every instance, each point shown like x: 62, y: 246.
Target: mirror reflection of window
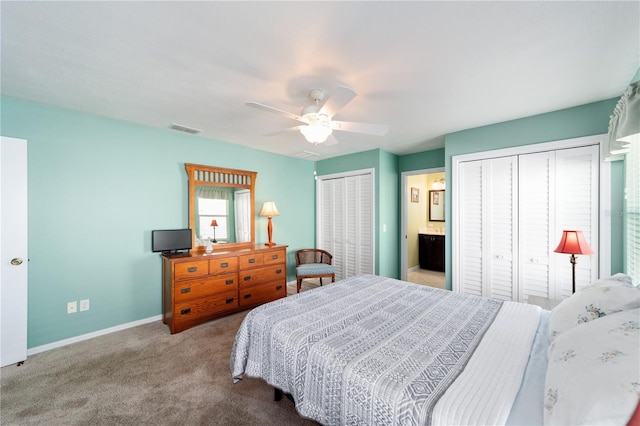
x: 209, y: 209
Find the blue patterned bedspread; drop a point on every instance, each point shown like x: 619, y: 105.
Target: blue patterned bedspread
x: 367, y: 350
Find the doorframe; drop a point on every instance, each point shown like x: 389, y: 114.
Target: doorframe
x: 405, y: 199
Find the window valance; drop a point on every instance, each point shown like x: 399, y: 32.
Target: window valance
x: 624, y: 123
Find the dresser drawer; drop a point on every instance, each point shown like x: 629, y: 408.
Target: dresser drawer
x: 192, y: 289
x: 223, y: 265
x: 205, y: 306
x: 275, y: 257
x: 260, y: 275
x: 250, y: 260
x: 187, y: 270
x: 262, y: 293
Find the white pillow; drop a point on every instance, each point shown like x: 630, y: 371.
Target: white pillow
x: 592, y: 303
x: 617, y: 279
x: 593, y: 375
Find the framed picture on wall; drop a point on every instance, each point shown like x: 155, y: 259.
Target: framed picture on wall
x: 415, y: 195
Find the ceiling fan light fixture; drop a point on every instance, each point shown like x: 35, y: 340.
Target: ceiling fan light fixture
x: 316, y: 132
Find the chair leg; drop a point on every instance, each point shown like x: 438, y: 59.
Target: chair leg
x: 299, y: 284
x: 333, y: 278
x: 320, y: 281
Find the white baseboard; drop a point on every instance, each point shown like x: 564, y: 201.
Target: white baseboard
x: 414, y: 268
x: 65, y: 342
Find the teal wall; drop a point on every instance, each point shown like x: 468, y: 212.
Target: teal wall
x: 386, y: 195
x: 585, y: 120
x: 97, y: 187
x: 431, y: 159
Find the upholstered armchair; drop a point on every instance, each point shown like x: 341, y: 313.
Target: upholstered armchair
x: 314, y: 263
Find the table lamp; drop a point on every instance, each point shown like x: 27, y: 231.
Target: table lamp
x: 269, y: 209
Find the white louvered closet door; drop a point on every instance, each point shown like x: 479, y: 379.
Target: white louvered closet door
x: 346, y: 221
x: 537, y: 220
x: 501, y: 227
x: 470, y: 277
x: 488, y: 228
x: 577, y: 188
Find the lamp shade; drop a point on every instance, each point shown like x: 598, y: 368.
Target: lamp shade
x: 573, y: 242
x: 269, y: 209
x: 316, y: 132
x: 214, y: 222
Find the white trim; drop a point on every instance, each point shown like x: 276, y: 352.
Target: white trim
x: 604, y: 224
x: 76, y: 339
x: 404, y: 252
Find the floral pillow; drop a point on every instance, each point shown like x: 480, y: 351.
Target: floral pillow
x: 592, y: 302
x: 593, y: 375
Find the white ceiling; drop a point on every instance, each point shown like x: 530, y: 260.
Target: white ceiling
x: 424, y: 68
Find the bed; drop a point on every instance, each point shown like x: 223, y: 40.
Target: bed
x: 372, y: 350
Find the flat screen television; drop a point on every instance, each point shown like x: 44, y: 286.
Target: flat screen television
x: 170, y: 240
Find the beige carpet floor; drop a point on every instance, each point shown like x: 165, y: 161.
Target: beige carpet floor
x: 141, y: 376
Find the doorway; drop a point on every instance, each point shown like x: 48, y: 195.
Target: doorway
x: 416, y: 197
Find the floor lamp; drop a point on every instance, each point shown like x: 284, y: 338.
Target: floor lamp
x: 269, y: 209
x: 573, y: 242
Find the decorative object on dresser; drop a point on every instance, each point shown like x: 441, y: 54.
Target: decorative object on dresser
x: 199, y: 287
x: 314, y: 263
x: 573, y: 242
x: 269, y: 209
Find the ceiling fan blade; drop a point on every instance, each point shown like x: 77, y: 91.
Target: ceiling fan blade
x: 278, y: 132
x: 366, y: 128
x: 264, y: 107
x: 338, y: 99
x: 331, y: 140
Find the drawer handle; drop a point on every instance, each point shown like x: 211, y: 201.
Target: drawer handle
x: 193, y: 269
x: 279, y: 287
x: 246, y: 296
x: 252, y: 260
x: 185, y: 290
x: 278, y: 271
x: 228, y: 282
x: 229, y: 300
x: 224, y: 265
x: 274, y: 257
x: 185, y: 311
x: 247, y: 278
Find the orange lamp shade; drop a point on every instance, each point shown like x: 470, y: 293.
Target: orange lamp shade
x: 573, y: 242
x: 214, y: 222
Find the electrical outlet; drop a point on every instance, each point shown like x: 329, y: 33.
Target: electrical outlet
x: 72, y: 307
x: 84, y: 305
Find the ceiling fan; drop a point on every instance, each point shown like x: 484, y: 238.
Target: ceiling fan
x: 318, y: 124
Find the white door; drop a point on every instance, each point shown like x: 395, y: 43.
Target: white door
x: 13, y: 250
x: 489, y: 228
x: 345, y: 222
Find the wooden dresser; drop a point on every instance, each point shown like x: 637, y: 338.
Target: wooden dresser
x: 198, y: 287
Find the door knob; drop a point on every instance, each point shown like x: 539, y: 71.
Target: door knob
x: 16, y: 261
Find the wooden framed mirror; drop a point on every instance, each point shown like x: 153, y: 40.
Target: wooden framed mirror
x: 436, y: 206
x: 226, y: 196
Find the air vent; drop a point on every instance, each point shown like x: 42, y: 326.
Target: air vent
x: 181, y: 128
x: 307, y: 154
